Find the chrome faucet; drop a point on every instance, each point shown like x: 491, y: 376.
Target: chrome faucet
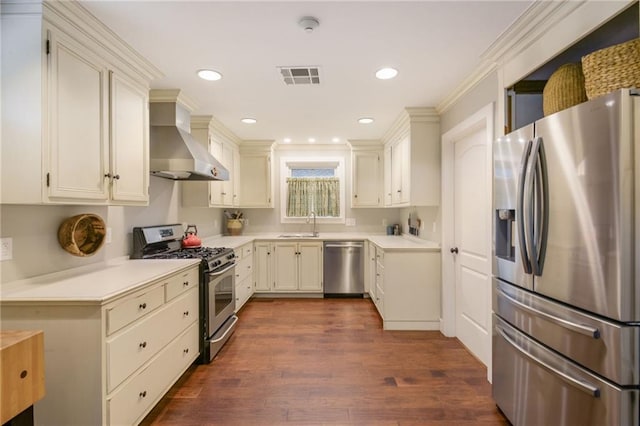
x: 315, y: 233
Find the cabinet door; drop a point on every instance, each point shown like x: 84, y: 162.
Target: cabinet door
x: 371, y: 270
x: 216, y: 188
x: 387, y: 185
x: 78, y: 117
x: 227, y: 185
x: 255, y: 180
x: 400, y: 172
x: 310, y: 266
x: 129, y: 141
x: 262, y: 267
x: 236, y: 178
x: 285, y: 266
x: 366, y: 179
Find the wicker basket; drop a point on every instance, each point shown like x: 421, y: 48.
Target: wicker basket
x: 564, y: 89
x: 612, y: 68
x: 82, y: 235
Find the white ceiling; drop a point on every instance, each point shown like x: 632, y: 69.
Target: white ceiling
x: 433, y: 44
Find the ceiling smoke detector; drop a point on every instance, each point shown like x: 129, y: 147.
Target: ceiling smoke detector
x: 309, y: 23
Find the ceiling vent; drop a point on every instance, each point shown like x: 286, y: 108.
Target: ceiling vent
x: 295, y: 76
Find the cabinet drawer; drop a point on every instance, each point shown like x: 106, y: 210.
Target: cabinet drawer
x: 244, y: 290
x: 379, y: 276
x: 129, y: 350
x: 244, y: 268
x: 179, y: 283
x: 247, y: 250
x: 380, y: 301
x: 134, y: 308
x: 135, y: 399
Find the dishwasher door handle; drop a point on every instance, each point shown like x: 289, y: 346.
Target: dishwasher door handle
x: 343, y: 245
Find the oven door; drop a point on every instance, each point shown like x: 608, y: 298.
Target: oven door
x: 219, y: 310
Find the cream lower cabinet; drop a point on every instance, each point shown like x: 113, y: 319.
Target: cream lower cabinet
x: 109, y: 364
x: 407, y: 289
x: 288, y: 267
x: 297, y: 267
x: 244, y: 274
x: 262, y: 266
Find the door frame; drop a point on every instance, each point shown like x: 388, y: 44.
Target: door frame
x: 484, y: 118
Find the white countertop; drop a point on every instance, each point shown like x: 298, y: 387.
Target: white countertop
x: 386, y: 242
x: 93, y: 284
x: 102, y: 282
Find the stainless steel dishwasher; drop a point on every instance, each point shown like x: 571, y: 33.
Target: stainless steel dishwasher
x: 343, y: 268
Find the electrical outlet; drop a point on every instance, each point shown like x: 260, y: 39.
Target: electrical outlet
x: 433, y: 227
x: 216, y: 224
x: 6, y: 248
x: 246, y: 222
x: 108, y: 236
x: 384, y: 222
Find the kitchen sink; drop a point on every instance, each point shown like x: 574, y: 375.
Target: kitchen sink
x: 299, y: 235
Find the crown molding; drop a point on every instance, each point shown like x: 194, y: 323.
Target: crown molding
x: 172, y: 95
x: 533, y: 23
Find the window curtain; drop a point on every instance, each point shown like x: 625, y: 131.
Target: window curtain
x: 319, y: 195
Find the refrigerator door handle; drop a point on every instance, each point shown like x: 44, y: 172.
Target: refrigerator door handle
x: 586, y: 387
x: 578, y: 328
x: 541, y: 193
x: 526, y: 263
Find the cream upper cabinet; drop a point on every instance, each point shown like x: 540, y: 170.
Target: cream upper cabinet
x: 129, y: 169
x: 78, y: 108
x: 387, y: 186
x: 412, y: 159
x: 366, y: 177
x: 256, y: 187
x: 75, y: 110
x: 223, y: 146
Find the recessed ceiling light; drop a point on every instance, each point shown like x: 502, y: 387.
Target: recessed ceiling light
x: 335, y: 140
x: 249, y: 120
x: 365, y: 120
x: 312, y: 140
x: 286, y: 140
x: 210, y: 75
x: 386, y: 73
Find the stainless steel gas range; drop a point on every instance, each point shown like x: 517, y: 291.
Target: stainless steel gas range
x: 217, y: 281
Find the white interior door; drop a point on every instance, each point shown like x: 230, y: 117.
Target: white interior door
x: 471, y: 249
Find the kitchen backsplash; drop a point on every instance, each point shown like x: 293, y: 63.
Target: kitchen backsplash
x: 34, y: 228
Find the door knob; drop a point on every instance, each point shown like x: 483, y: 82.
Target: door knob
x: 454, y: 250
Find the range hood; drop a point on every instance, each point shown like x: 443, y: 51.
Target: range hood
x: 174, y: 153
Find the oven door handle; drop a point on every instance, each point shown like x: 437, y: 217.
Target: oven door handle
x: 215, y: 274
x: 235, y: 320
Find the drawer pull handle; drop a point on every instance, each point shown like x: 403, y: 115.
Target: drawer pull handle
x: 185, y: 284
x: 143, y: 345
x: 143, y: 306
x: 23, y: 374
x: 186, y: 351
x: 143, y: 394
x: 185, y: 313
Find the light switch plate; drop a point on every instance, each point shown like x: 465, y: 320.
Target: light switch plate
x: 6, y: 248
x: 351, y: 221
x: 108, y: 236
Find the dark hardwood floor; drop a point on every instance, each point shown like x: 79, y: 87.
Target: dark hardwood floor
x: 328, y: 362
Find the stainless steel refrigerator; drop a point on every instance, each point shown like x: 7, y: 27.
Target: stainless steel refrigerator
x: 566, y: 285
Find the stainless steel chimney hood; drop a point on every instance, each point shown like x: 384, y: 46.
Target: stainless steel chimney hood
x: 174, y: 153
